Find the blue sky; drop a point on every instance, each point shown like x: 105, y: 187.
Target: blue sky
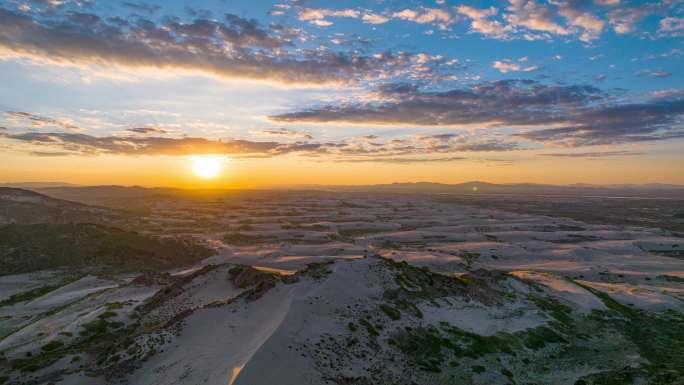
x: 394, y: 82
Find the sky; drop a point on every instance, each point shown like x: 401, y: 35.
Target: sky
x: 347, y: 92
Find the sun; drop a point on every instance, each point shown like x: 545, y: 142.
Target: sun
x: 206, y: 166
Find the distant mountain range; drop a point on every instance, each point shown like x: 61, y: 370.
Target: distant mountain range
x: 477, y: 187
x: 31, y: 185
x: 127, y: 196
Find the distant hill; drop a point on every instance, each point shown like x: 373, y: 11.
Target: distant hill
x: 39, y: 232
x: 28, y: 207
x: 130, y: 198
x: 475, y: 187
x: 25, y: 248
x: 32, y: 185
x: 137, y: 199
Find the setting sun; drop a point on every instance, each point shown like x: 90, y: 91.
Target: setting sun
x: 206, y: 166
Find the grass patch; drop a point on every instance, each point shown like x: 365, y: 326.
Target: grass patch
x: 29, y: 295
x: 391, y: 312
x: 372, y: 331
x: 242, y: 239
x: 52, y: 345
x: 671, y: 278
x: 557, y: 310
x: 26, y: 248
x: 659, y: 337
x: 351, y: 233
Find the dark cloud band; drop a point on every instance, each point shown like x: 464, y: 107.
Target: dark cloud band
x: 233, y: 48
x: 575, y: 115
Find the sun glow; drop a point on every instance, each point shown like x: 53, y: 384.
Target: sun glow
x: 207, y: 166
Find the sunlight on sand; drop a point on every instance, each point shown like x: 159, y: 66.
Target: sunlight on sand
x: 235, y: 373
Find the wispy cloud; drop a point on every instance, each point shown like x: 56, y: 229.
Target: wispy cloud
x: 150, y: 143
x: 146, y: 130
x: 141, y: 7
x: 38, y: 121
x: 505, y: 67
x: 318, y: 16
x: 441, y: 17
x: 284, y: 132
x: 597, y: 154
x: 400, y: 160
x: 233, y: 47
x: 577, y: 115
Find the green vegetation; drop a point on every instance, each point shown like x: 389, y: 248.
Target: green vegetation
x: 29, y: 295
x: 26, y: 248
x: 668, y: 253
x: 671, y: 278
x: 372, y: 331
x: 539, y: 337
x: 429, y: 346
x: 100, y: 338
x: 307, y: 227
x: 99, y: 327
x: 317, y: 270
x: 477, y: 369
x: 391, y: 312
x: 233, y: 272
x: 658, y: 336
x: 52, y: 345
x: 115, y: 305
x: 242, y: 239
x: 107, y: 314
x: 469, y: 257
x: 351, y: 233
x: 557, y: 310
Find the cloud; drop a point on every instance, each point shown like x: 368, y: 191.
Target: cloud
x: 400, y: 160
x: 48, y: 3
x: 599, y: 154
x: 48, y: 154
x: 672, y: 26
x: 567, y: 115
x: 668, y: 94
x: 533, y: 16
x: 493, y: 103
x: 38, y: 121
x: 231, y: 48
x: 84, y: 144
x: 623, y: 20
x: 317, y: 15
x: 653, y: 120
x: 284, y: 132
x: 373, y: 18
x: 590, y: 25
x: 146, y: 130
x: 481, y: 23
x: 440, y: 17
x: 655, y: 73
x: 532, y: 20
x: 369, y: 146
x: 505, y: 67
x: 141, y: 7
